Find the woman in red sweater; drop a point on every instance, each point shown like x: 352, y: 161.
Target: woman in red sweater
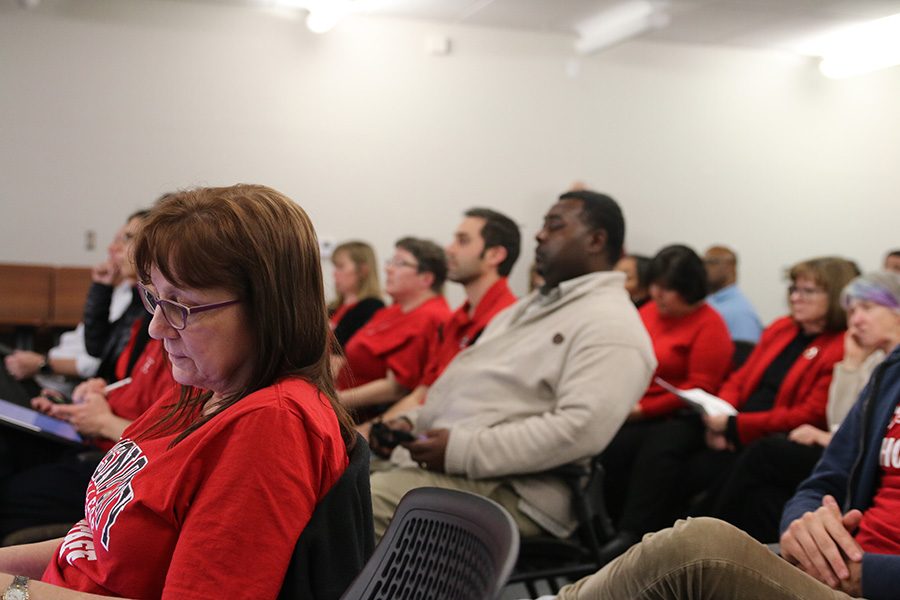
x: 693, y: 350
x: 690, y: 339
x: 783, y: 384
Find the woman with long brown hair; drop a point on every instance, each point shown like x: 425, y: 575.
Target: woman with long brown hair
x: 206, y: 494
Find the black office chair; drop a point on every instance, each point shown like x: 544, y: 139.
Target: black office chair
x: 441, y: 545
x: 339, y: 538
x: 558, y: 561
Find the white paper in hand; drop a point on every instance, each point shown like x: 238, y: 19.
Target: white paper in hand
x: 701, y: 400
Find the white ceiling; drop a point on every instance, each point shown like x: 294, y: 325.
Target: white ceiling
x: 769, y: 24
x: 762, y: 24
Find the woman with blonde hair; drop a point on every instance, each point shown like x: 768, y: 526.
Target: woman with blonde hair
x: 358, y: 291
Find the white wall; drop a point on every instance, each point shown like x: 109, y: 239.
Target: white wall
x: 106, y: 104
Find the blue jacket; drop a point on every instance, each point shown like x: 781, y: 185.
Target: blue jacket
x: 849, y: 471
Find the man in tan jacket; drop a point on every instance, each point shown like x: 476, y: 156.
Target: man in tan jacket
x: 549, y: 382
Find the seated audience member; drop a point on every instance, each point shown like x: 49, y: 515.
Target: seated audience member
x: 102, y: 338
x: 70, y: 357
x: 20, y: 451
x: 484, y: 249
x: 549, y: 382
x: 357, y: 287
x: 690, y: 339
x: 244, y: 327
x: 892, y: 261
x: 783, y: 385
x: 839, y: 537
x: 53, y: 492
x: 637, y: 284
x: 386, y: 358
x: 693, y: 350
x: 727, y: 298
x: 769, y: 470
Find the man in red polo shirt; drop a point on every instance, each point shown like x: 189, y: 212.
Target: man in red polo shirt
x: 480, y: 257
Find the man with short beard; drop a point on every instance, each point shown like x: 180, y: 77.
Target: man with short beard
x: 480, y: 257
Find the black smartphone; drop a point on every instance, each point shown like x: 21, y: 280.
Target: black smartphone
x: 56, y: 397
x: 390, y: 438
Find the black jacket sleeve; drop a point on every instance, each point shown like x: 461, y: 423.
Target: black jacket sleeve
x: 355, y: 318
x: 97, y: 327
x: 118, y: 333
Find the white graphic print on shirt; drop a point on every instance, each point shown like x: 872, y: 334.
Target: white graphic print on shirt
x: 79, y: 543
x: 108, y: 493
x: 890, y: 445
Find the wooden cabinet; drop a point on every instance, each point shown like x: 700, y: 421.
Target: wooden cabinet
x: 42, y: 295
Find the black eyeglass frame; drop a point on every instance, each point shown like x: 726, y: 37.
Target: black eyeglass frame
x: 151, y: 301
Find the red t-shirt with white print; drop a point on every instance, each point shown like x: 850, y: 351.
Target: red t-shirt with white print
x: 879, y: 530
x: 215, y: 516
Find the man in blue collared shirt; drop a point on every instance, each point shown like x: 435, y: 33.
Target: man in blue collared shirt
x: 739, y: 315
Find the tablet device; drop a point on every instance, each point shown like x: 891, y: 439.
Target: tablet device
x: 26, y: 419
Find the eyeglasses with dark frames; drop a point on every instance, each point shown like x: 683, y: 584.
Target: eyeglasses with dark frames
x: 175, y: 313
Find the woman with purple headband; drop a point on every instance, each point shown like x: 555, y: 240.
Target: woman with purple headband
x: 770, y: 470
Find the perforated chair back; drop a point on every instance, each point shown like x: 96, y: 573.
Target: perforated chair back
x: 441, y: 545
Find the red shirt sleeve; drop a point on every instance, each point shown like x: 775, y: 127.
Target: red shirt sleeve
x: 408, y: 362
x: 433, y: 367
x: 246, y: 514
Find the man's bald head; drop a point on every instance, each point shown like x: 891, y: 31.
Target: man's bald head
x: 721, y: 267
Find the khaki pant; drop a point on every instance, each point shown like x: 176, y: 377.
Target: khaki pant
x: 388, y: 487
x: 699, y: 559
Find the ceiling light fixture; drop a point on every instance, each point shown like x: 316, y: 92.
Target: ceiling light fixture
x: 321, y: 15
x: 619, y: 23
x: 862, y: 48
x: 323, y: 19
